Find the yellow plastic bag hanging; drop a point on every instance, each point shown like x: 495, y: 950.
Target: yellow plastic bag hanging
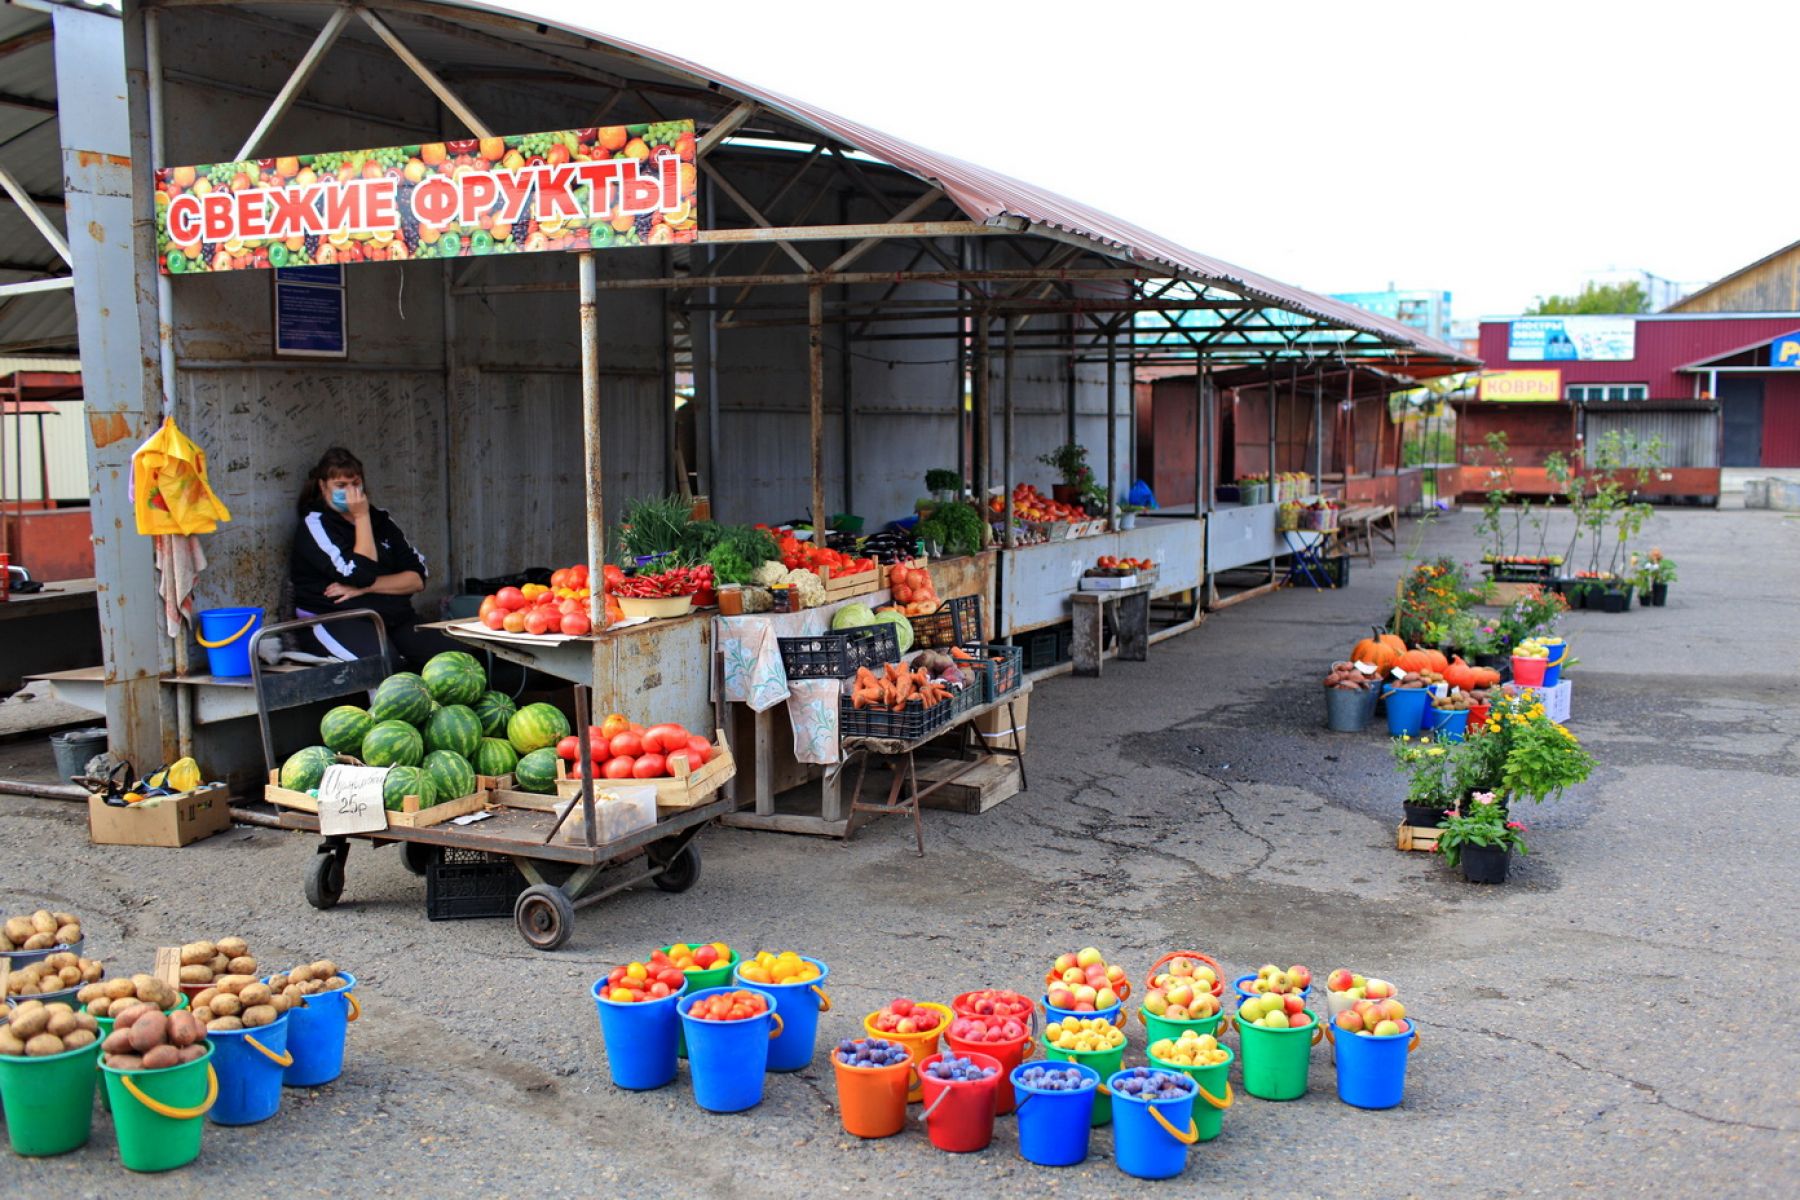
x: 169, y: 487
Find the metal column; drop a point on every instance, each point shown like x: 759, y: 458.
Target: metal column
x: 1112, y: 416
x: 815, y: 392
x: 1319, y: 429
x: 1006, y: 434
x: 590, y: 437
x: 984, y: 416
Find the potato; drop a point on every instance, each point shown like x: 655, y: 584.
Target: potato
x: 86, y: 1021
x: 336, y: 982
x: 202, y: 999
x: 149, y: 1030
x: 224, y: 1023
x: 300, y: 974
x: 117, y: 1042
x: 233, y: 947
x: 324, y: 969
x: 91, y: 970
x: 44, y: 1045
x: 119, y: 989
x: 62, y: 1023
x: 130, y: 1014
x: 190, y: 1053
x: 184, y: 1030
x: 197, y: 954
x: 63, y: 918
x: 158, y: 1057
x: 125, y: 1062
x: 19, y: 930
x: 292, y: 992
x: 243, y: 964
x: 68, y: 977
x: 59, y: 960
x: 42, y: 921
x: 226, y: 1005
x: 68, y: 935
x: 196, y: 974
x: 278, y: 981
x: 10, y: 1045
x: 101, y: 1006
x: 312, y: 987
x: 280, y: 1003
x: 254, y: 994
x: 40, y: 941
x: 30, y: 1019
x: 220, y: 963
x: 258, y: 1016
x: 78, y: 1038
x: 144, y: 985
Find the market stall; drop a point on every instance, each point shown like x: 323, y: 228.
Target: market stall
x: 1036, y: 581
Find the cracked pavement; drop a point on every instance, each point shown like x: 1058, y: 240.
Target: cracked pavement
x: 1614, y: 1018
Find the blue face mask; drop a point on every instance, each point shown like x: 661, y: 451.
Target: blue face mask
x: 340, y: 499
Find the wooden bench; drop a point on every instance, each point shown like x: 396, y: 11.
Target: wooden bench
x: 1360, y: 524
x: 1132, y: 606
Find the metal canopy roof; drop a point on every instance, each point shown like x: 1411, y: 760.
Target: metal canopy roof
x: 31, y: 150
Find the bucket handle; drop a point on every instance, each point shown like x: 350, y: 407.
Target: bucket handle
x: 355, y: 1008
x: 1319, y: 1028
x: 1213, y: 1100
x: 234, y: 637
x: 824, y: 1000
x: 776, y: 1026
x: 1187, y: 1139
x: 933, y: 1106
x: 176, y: 1114
x: 284, y: 1061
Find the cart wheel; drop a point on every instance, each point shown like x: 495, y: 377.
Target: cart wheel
x: 417, y: 856
x: 544, y: 916
x: 324, y: 880
x: 683, y: 872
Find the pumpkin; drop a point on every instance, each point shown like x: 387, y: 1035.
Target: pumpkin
x: 1392, y: 640
x: 1484, y: 677
x: 1376, y: 653
x: 1438, y: 661
x: 1459, y: 675
x: 1413, y: 662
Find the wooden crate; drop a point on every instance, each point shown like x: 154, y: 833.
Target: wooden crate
x: 685, y: 791
x: 848, y: 587
x: 1416, y: 837
x: 1506, y: 593
x: 411, y: 816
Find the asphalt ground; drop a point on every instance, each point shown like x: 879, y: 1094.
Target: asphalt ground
x: 1614, y: 1019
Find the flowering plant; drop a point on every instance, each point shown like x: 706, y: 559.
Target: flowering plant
x: 1485, y: 824
x: 1429, y: 770
x: 1535, y: 612
x: 1521, y: 753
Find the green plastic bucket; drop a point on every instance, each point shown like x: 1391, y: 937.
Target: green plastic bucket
x: 1215, y: 1092
x: 106, y: 1028
x: 159, y: 1115
x: 1276, y: 1061
x: 1157, y: 1028
x: 1106, y: 1062
x: 711, y: 977
x: 49, y: 1101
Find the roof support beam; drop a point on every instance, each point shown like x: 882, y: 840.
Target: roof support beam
x: 752, y: 235
x: 297, y: 81
x: 25, y: 41
x: 438, y: 87
x: 27, y: 103
x: 723, y: 128
x: 838, y: 233
x: 35, y: 215
x: 60, y: 283
x: 906, y: 214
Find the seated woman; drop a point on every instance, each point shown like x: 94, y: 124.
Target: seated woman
x: 349, y: 554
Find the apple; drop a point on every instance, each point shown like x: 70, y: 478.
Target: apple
x: 1293, y: 1004
x: 1299, y: 978
x: 1340, y: 980
x: 1156, y: 1002
x: 906, y: 1025
x: 1386, y: 1029
x: 1378, y: 989
x: 1274, y: 1020
x: 1061, y: 997
x: 1183, y: 967
x: 1064, y: 962
x: 1085, y: 994
x: 1181, y: 994
x: 1073, y: 976
x: 1105, y: 998
x: 1392, y: 1010
x: 1350, y: 1021
x: 1114, y: 974
x: 1087, y: 956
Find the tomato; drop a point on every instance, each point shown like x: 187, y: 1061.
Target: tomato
x: 650, y: 766
x: 617, y: 768
x: 679, y: 764
x: 613, y: 575
x: 576, y: 624
x: 559, y: 579
x: 700, y: 751
x: 537, y: 621
x: 615, y: 725
x: 568, y: 748
x: 510, y: 598
x: 661, y: 739
x: 514, y: 622
x: 487, y: 606
x: 599, y: 746
x: 494, y: 618
x: 627, y: 745
x: 552, y: 620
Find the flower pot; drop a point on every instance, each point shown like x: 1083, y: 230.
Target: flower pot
x: 1128, y: 520
x: 1421, y: 817
x: 1347, y: 709
x: 1614, y: 601
x: 1485, y: 864
x: 1659, y: 594
x: 1066, y: 493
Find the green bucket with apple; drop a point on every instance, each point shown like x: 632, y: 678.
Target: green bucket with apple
x: 1215, y: 1091
x: 1277, y: 1060
x: 1157, y: 1028
x: 1108, y: 1062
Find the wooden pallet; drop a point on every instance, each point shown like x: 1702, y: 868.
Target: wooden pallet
x: 1416, y: 837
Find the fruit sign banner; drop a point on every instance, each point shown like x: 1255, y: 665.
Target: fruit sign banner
x: 575, y: 189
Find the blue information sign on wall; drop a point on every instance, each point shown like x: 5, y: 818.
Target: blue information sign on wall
x: 309, y: 312
x: 1784, y: 351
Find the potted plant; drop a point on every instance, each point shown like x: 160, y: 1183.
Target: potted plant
x: 1482, y: 840
x: 944, y: 484
x: 1431, y: 779
x: 1652, y: 577
x: 1070, y: 461
x: 1128, y: 515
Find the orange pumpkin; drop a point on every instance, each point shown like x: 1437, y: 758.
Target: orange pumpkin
x: 1459, y: 674
x: 1438, y: 661
x: 1377, y: 654
x: 1392, y: 640
x: 1413, y: 661
x: 1484, y: 677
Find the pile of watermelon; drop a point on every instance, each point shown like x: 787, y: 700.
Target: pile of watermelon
x: 435, y: 732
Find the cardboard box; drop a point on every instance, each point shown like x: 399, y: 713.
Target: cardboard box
x: 1555, y: 700
x: 996, y: 727
x: 161, y: 820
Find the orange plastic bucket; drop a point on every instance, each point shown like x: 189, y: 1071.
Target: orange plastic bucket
x: 919, y: 1046
x: 872, y: 1100
x: 1218, y: 987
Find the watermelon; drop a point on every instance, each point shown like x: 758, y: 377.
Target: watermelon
x: 402, y: 697
x: 455, y: 728
x: 393, y: 744
x: 402, y: 782
x: 495, y: 756
x: 304, y: 768
x: 536, y: 726
x: 344, y: 728
x: 495, y: 709
x: 451, y: 775
x: 455, y: 677
x: 536, y: 772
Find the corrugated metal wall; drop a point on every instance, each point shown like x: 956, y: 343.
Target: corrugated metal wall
x: 65, y: 439
x: 1690, y: 438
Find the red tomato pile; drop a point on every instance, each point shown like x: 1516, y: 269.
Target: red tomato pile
x: 796, y: 554
x: 678, y: 581
x: 728, y: 1006
x: 621, y: 749
x: 637, y: 982
x: 562, y: 607
x: 903, y: 1016
x: 1108, y: 561
x: 1029, y: 504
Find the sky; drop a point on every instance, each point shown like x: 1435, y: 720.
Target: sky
x: 1497, y: 151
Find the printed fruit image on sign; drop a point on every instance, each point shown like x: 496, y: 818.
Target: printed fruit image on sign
x: 573, y: 189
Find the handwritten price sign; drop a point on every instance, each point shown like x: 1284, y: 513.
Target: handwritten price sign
x: 350, y: 800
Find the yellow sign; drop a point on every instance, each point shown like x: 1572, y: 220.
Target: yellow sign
x: 1521, y: 385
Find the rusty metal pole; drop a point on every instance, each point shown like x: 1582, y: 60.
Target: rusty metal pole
x: 590, y: 439
x: 1006, y: 433
x: 1112, y: 415
x: 815, y: 388
x: 1319, y: 429
x: 983, y: 411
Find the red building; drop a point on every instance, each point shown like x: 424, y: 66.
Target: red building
x: 1718, y: 390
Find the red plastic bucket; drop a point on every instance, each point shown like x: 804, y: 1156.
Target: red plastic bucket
x: 1529, y: 672
x: 1007, y: 1054
x: 959, y: 1117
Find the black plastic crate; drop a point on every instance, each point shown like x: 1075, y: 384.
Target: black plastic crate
x: 1040, y: 650
x: 462, y: 885
x: 1065, y: 643
x: 838, y: 654
x: 955, y: 622
x: 997, y: 666
x: 909, y: 724
x: 1337, y: 570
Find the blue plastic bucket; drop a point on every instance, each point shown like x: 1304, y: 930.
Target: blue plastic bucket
x: 250, y: 1063
x: 226, y: 633
x: 1144, y: 1145
x: 316, y: 1033
x: 1054, y: 1127
x: 1244, y: 993
x: 1406, y: 711
x: 1553, y: 671
x: 1452, y: 724
x: 640, y: 1038
x: 1371, y: 1071
x: 727, y: 1059
x: 799, y: 1005
x: 1112, y: 1014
